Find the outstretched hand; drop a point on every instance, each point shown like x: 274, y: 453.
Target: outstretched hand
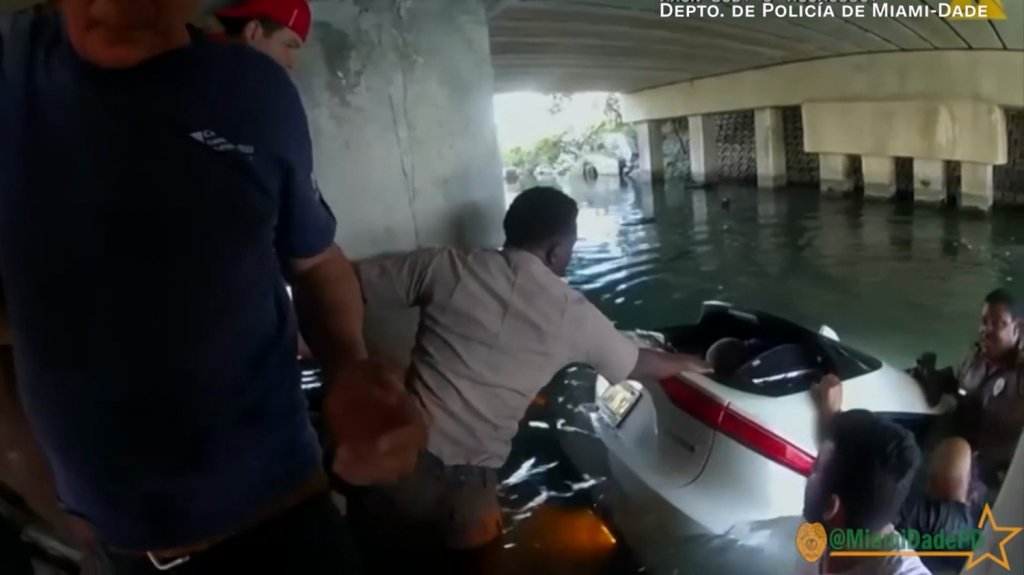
x: 828, y: 395
x: 378, y: 431
x: 698, y: 364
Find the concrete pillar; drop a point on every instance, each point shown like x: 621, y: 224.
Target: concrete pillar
x: 703, y: 149
x: 929, y: 181
x: 400, y: 103
x: 836, y: 173
x: 771, y: 148
x: 652, y: 156
x: 399, y: 97
x: 879, y: 176
x: 976, y: 186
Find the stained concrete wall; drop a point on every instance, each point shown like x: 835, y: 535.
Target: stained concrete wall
x: 734, y: 146
x: 1009, y: 178
x: 737, y: 153
x: 802, y: 168
x: 996, y: 77
x: 399, y: 98
x: 676, y: 149
x: 400, y: 101
x: 936, y: 129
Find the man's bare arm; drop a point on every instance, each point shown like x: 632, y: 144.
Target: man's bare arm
x: 827, y: 396
x: 654, y: 364
x: 329, y: 305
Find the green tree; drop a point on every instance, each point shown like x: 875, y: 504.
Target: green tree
x: 518, y: 157
x: 562, y: 148
x: 548, y: 150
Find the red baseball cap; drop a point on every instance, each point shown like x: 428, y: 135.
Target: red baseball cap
x: 292, y: 14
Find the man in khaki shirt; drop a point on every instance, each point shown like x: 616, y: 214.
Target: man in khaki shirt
x: 496, y: 326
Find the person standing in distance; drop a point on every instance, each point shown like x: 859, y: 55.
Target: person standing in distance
x: 150, y: 204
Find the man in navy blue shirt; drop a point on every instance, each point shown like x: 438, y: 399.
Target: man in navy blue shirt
x: 154, y: 189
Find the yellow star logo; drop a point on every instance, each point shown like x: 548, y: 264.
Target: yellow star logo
x: 1011, y: 532
x: 994, y: 9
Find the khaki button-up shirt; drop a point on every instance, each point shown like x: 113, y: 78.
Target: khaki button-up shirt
x: 495, y: 327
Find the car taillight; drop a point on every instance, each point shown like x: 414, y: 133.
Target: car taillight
x: 715, y: 414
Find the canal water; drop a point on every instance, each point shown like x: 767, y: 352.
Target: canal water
x: 893, y: 280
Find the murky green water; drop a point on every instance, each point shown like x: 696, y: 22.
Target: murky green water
x: 891, y: 279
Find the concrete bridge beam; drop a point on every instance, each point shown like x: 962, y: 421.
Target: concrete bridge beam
x: 879, y: 176
x: 652, y: 156
x: 976, y: 186
x: 836, y: 174
x: 704, y: 166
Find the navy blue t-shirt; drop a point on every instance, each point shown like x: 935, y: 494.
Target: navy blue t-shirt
x: 144, y: 218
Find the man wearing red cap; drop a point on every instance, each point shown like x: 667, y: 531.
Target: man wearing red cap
x: 278, y: 28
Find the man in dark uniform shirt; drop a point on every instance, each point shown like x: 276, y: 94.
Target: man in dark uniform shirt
x: 154, y: 190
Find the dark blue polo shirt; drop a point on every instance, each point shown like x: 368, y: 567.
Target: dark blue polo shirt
x: 144, y: 218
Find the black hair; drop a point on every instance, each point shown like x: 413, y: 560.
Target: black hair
x: 727, y: 355
x: 872, y: 467
x: 1005, y: 298
x: 234, y: 27
x: 539, y: 215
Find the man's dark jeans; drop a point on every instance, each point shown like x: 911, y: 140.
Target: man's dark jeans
x: 312, y: 539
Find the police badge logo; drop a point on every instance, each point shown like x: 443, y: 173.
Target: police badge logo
x: 811, y: 541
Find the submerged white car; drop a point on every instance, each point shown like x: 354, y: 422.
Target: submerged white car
x: 729, y: 450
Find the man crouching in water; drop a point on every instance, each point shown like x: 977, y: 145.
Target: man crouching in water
x: 495, y: 327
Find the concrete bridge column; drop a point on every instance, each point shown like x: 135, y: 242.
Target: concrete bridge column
x: 976, y: 186
x: 652, y: 156
x: 703, y: 149
x: 836, y: 173
x: 879, y: 176
x: 929, y: 180
x: 400, y: 103
x: 771, y: 148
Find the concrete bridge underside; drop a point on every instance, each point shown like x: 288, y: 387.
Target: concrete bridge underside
x: 625, y: 46
x: 876, y: 96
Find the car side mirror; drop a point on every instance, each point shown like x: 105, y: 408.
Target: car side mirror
x: 829, y: 333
